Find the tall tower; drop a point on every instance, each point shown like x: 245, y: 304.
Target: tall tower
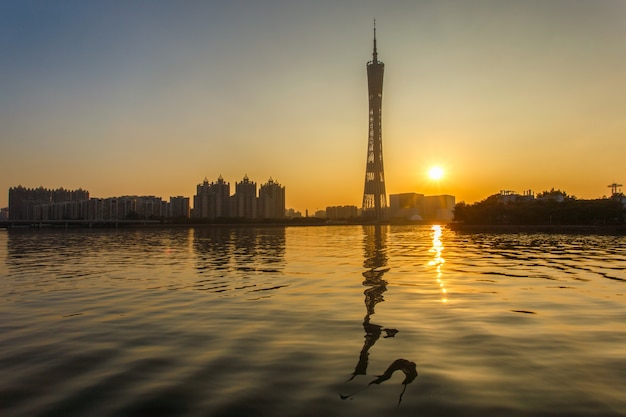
x: 374, y: 195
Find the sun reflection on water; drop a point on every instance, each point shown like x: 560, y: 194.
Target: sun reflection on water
x: 438, y: 260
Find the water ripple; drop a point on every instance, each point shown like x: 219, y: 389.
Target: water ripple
x: 282, y: 321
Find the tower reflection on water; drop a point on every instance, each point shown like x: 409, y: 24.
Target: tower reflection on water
x: 375, y: 264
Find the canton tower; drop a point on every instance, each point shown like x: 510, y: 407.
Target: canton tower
x: 374, y: 195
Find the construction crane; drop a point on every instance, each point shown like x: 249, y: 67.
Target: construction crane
x: 614, y: 189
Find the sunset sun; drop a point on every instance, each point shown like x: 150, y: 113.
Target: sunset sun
x: 435, y: 173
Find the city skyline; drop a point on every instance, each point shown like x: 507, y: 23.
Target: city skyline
x: 147, y: 99
x: 212, y: 201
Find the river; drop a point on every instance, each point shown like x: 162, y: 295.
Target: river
x: 311, y: 321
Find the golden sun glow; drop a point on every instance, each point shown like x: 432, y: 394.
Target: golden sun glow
x: 435, y: 173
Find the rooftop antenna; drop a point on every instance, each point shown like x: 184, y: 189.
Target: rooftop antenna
x: 613, y: 188
x: 375, y: 54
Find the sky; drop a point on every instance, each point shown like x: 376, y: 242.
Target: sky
x: 150, y: 97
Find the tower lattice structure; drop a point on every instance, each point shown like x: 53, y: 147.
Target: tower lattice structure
x: 374, y: 194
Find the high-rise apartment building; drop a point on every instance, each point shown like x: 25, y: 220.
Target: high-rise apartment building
x: 212, y: 199
x: 201, y: 200
x: 244, y: 199
x: 271, y: 200
x: 219, y: 202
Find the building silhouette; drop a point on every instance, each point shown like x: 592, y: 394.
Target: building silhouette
x: 418, y: 207
x: 271, y: 200
x: 44, y: 203
x: 374, y: 194
x: 41, y: 204
x: 341, y: 212
x: 179, y: 207
x: 201, y: 200
x: 212, y: 199
x: 128, y: 207
x: 244, y: 199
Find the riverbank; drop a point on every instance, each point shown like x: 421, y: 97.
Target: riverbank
x: 310, y: 221
x: 540, y: 228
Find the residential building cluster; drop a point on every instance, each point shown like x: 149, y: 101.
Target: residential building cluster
x: 212, y: 201
x: 42, y: 204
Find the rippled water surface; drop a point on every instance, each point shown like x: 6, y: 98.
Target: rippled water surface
x: 311, y: 321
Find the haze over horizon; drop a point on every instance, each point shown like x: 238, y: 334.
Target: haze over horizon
x: 149, y: 98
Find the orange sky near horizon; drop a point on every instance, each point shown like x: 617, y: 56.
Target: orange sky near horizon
x: 149, y: 99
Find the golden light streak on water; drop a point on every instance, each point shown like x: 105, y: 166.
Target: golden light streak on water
x: 438, y: 259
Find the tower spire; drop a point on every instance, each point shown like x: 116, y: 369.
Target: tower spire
x: 375, y: 53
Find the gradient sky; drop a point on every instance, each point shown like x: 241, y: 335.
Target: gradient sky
x: 151, y: 97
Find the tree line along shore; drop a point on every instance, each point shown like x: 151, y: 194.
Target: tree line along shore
x: 555, y: 211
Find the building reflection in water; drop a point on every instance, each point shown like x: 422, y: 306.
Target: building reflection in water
x: 438, y: 260
x: 213, y: 247
x: 239, y: 248
x: 375, y: 264
x: 240, y: 258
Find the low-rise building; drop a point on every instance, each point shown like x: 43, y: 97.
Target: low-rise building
x: 418, y: 207
x: 293, y: 214
x: 406, y: 206
x: 341, y: 212
x: 320, y: 214
x: 439, y: 208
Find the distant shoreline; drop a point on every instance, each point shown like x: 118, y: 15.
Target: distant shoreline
x: 456, y: 227
x: 45, y: 224
x: 540, y: 228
